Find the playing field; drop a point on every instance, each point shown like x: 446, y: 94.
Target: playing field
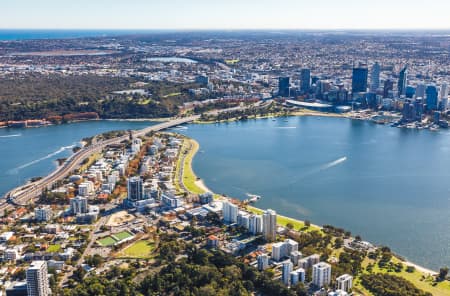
x: 122, y: 235
x: 140, y: 249
x: 115, y: 238
x: 107, y: 241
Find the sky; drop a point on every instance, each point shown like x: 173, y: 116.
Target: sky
x: 224, y: 14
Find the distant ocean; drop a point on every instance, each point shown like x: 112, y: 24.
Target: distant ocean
x: 23, y: 34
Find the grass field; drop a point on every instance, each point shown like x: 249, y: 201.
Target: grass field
x: 419, y: 279
x: 189, y: 177
x: 122, y: 235
x: 54, y: 248
x: 107, y: 241
x: 141, y: 249
x: 283, y: 221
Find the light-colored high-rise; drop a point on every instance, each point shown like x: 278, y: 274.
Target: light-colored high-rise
x: 344, y: 282
x: 263, y: 262
x: 78, y: 205
x: 37, y: 281
x: 230, y: 212
x: 297, y: 275
x: 321, y: 274
x: 287, y: 269
x: 270, y: 225
x: 375, y: 77
x: 444, y: 91
x: 255, y: 224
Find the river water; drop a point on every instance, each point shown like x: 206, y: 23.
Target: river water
x: 389, y: 185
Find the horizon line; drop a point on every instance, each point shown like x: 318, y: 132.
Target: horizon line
x: 236, y: 29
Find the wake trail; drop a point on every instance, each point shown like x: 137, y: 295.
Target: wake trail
x: 60, y: 150
x: 11, y: 136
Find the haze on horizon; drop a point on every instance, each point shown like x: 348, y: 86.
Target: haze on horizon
x: 219, y: 14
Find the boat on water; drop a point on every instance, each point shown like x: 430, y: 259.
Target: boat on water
x: 252, y: 197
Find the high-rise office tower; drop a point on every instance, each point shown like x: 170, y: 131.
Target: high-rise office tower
x: 321, y: 274
x: 420, y: 90
x: 135, y: 189
x: 284, y: 84
x: 375, y: 77
x: 402, y: 81
x: 230, y: 212
x: 444, y: 91
x: 270, y: 225
x: 37, y: 281
x: 432, y: 97
x: 305, y: 80
x: 359, y: 79
x: 388, y: 87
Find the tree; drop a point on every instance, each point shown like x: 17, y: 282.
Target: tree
x: 443, y: 271
x: 307, y: 223
x: 289, y: 225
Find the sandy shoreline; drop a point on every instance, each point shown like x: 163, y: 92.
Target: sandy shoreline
x: 201, y: 184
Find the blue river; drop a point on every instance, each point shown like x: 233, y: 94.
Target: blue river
x: 389, y: 185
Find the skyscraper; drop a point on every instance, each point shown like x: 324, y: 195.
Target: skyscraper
x: 388, y: 87
x: 287, y: 269
x: 305, y: 80
x: 270, y: 225
x: 321, y: 274
x: 420, y: 90
x: 432, y: 97
x: 78, y: 205
x: 359, y: 79
x: 256, y: 224
x: 263, y: 262
x: 375, y: 77
x: 444, y: 91
x: 135, y: 189
x: 37, y: 281
x: 230, y: 212
x: 284, y: 84
x: 402, y: 81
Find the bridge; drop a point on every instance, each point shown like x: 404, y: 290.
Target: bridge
x: 21, y: 196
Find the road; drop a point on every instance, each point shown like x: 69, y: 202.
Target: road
x: 23, y: 195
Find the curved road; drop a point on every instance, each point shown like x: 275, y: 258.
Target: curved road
x: 22, y: 196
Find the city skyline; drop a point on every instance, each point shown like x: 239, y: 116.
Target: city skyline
x: 232, y: 15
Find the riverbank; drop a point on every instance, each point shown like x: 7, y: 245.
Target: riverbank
x: 422, y: 277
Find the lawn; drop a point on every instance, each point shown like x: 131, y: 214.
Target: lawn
x: 189, y: 177
x: 283, y: 221
x: 54, y: 248
x: 141, y: 249
x: 107, y: 241
x: 419, y: 279
x: 122, y: 235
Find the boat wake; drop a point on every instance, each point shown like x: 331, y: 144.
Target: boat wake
x: 333, y: 163
x: 318, y: 170
x: 286, y: 127
x: 11, y: 136
x: 60, y: 150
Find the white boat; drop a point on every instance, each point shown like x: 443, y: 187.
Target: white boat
x: 253, y: 197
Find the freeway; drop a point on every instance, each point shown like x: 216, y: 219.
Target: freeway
x: 23, y: 195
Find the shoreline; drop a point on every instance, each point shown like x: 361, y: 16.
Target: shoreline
x: 201, y: 184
